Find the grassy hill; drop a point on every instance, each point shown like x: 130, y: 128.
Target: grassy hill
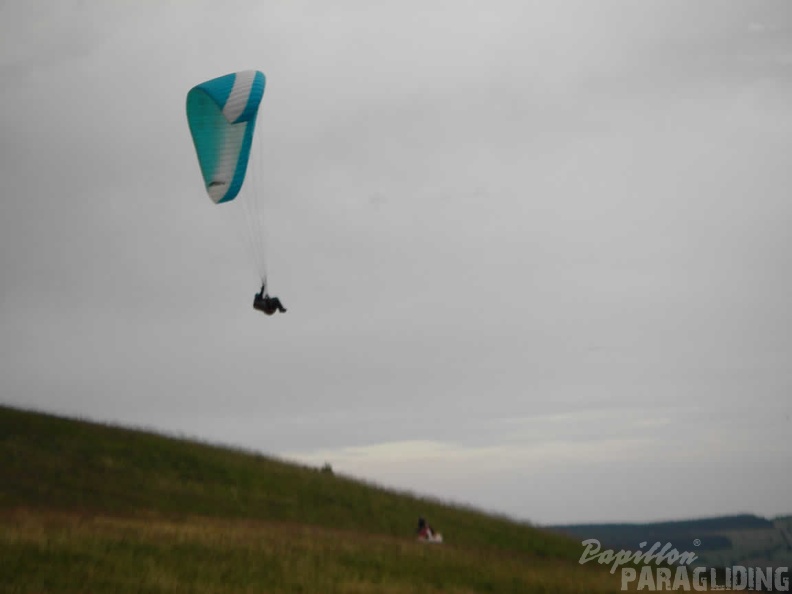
x: 86, y: 507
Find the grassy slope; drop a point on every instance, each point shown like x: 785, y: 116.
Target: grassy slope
x: 110, y: 509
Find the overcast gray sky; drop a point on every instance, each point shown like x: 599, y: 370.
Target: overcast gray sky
x: 536, y: 255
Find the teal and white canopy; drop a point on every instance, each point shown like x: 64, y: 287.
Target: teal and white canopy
x: 222, y: 116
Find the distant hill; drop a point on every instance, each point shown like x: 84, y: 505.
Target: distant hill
x: 743, y: 539
x: 91, y: 507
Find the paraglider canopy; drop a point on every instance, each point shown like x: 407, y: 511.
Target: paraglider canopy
x: 222, y: 116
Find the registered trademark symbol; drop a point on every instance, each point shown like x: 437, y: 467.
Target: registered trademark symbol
x: 697, y: 542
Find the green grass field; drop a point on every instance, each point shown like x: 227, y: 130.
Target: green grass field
x: 92, y: 508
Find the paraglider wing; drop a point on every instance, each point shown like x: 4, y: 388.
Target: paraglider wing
x: 222, y: 116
